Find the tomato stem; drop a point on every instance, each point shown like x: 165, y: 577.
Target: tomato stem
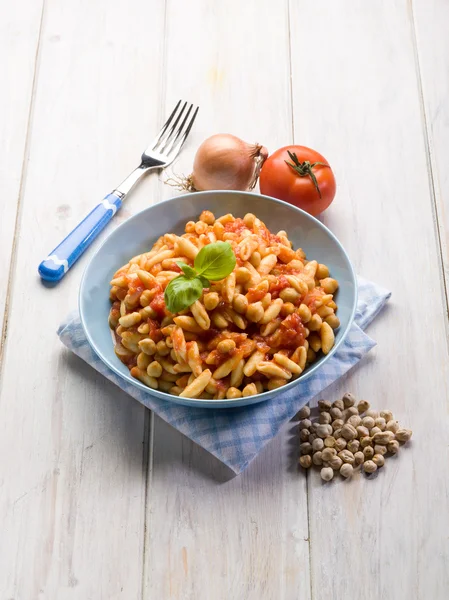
x: 304, y: 169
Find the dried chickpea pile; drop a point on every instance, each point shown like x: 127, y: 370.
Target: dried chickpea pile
x: 346, y: 435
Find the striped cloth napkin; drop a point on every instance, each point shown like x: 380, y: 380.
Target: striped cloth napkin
x: 236, y: 435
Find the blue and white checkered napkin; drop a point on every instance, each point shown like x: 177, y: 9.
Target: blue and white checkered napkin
x: 235, y: 436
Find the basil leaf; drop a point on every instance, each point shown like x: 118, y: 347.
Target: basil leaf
x: 181, y: 292
x: 204, y: 281
x: 215, y: 261
x: 188, y: 271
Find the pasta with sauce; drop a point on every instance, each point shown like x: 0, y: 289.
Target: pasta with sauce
x: 253, y: 331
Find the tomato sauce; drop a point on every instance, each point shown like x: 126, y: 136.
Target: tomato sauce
x: 311, y: 299
x: 155, y: 331
x: 290, y: 334
x: 236, y: 226
x: 277, y: 286
x: 254, y: 295
x: 158, y: 305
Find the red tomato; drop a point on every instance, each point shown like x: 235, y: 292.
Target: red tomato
x: 300, y: 176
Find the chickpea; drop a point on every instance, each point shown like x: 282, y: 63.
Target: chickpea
x: 304, y: 412
x: 329, y: 442
x: 355, y: 421
x: 368, y: 452
x: 340, y: 444
x: 350, y: 412
x: 162, y: 348
x: 346, y: 470
x: 305, y: 461
x: 346, y: 456
x: 353, y: 446
x: 338, y: 404
x: 305, y: 448
x: 323, y: 431
x: 381, y: 423
x: 312, y: 437
x: 211, y: 300
x: 317, y: 444
x: 366, y: 441
x: 327, y: 473
x: 348, y: 432
x: 403, y: 435
x: 363, y: 406
x: 362, y: 431
x: 325, y: 418
x: 324, y: 405
x: 368, y: 422
x: 249, y: 219
x: 311, y: 355
x: 240, y: 304
x: 315, y: 323
x: 304, y: 435
x: 234, y: 392
x: 379, y: 460
x: 336, y: 413
x: 392, y: 426
x: 380, y: 449
x: 208, y: 217
x: 337, y: 433
x: 305, y: 424
x: 372, y: 413
x: 200, y: 227
x: 289, y: 295
x: 322, y: 271
x: 393, y: 447
x: 387, y: 415
x: 304, y: 313
x: 333, y: 321
x: 359, y: 458
x: 226, y: 346
x: 348, y: 400
x: 190, y: 227
x: 287, y: 309
x: 384, y: 437
x: 143, y: 360
x: 317, y: 459
x: 329, y: 285
x: 337, y: 424
x: 369, y: 466
x: 255, y: 312
x: 328, y: 453
x: 335, y: 463
x: 148, y: 346
x: 375, y: 430
x: 154, y: 369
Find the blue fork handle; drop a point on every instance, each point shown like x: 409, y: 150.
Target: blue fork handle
x: 59, y: 261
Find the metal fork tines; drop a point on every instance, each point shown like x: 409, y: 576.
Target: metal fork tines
x: 167, y: 144
x: 158, y: 155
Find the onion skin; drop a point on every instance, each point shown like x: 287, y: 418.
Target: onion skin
x: 225, y: 162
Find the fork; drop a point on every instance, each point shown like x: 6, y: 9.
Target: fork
x: 159, y: 154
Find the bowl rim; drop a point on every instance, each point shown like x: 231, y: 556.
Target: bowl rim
x: 224, y: 402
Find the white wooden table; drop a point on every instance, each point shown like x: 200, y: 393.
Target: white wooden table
x: 98, y: 499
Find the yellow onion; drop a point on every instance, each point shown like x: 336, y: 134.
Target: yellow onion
x: 225, y: 162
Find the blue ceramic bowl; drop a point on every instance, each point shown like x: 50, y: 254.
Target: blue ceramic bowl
x: 137, y: 235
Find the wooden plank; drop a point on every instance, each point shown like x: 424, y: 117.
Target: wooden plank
x: 432, y: 53
x: 73, y: 464
x: 19, y: 31
x: 209, y: 535
x: 357, y: 101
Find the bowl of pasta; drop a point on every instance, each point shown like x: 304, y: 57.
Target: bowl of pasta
x: 218, y: 299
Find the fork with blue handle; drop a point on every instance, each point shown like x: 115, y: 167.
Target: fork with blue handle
x: 159, y: 154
